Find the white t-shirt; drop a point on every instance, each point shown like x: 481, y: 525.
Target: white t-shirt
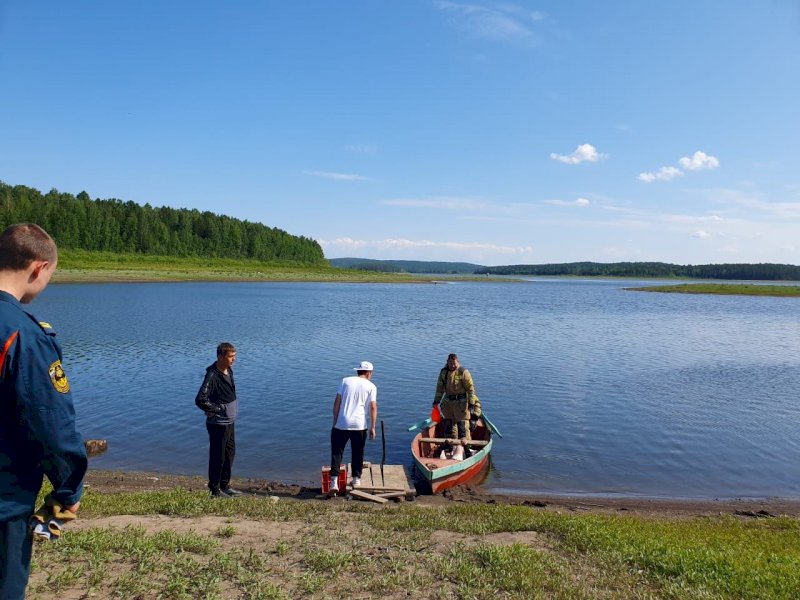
x: 357, y: 393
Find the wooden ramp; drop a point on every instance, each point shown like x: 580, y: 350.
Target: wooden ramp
x: 396, y: 481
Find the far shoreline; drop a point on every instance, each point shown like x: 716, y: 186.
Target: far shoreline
x: 69, y: 276
x: 725, y: 289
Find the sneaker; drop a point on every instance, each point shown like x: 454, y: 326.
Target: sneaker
x: 458, y: 453
x: 334, y: 489
x: 218, y: 494
x: 232, y: 492
x: 356, y: 482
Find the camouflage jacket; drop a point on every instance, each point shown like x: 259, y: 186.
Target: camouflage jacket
x: 456, y: 383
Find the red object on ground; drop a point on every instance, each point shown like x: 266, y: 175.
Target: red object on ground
x: 326, y: 478
x: 436, y: 414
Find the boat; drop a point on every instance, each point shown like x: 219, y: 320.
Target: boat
x: 443, y: 473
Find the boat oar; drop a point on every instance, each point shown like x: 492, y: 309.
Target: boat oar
x: 422, y: 424
x: 491, y: 425
x: 383, y: 456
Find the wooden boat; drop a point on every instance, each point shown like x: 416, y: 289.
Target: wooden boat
x: 443, y: 473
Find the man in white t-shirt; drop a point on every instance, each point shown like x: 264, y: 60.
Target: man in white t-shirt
x: 356, y: 400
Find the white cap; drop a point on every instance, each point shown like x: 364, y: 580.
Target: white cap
x: 364, y: 366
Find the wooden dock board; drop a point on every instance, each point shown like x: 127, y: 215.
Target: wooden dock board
x: 367, y: 496
x: 396, y: 478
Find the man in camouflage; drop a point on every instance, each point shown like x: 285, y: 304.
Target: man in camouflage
x: 460, y: 407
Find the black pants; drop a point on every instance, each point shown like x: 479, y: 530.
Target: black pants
x: 221, y: 451
x: 15, y: 558
x: 339, y: 438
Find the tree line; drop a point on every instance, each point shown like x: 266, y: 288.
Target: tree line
x: 760, y: 271
x: 404, y: 266
x: 111, y: 225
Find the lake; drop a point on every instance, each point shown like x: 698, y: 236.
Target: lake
x: 597, y: 390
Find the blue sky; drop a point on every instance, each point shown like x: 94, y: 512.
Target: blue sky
x: 488, y: 132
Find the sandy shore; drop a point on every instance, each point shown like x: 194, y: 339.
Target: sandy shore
x: 131, y: 481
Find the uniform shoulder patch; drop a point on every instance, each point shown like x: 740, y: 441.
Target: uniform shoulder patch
x: 58, y: 377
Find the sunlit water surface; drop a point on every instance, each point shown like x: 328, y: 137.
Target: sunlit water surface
x: 597, y: 390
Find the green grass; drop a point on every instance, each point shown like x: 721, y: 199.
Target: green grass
x: 739, y: 289
x: 85, y: 266
x: 717, y: 558
x: 77, y: 266
x: 348, y: 549
x: 181, y: 503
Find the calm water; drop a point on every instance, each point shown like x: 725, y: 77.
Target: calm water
x: 596, y: 389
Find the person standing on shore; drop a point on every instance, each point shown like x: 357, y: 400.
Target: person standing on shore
x: 356, y: 398
x: 37, y: 430
x: 217, y: 398
x: 455, y: 395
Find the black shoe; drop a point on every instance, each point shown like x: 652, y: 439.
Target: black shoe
x: 219, y: 494
x: 232, y: 492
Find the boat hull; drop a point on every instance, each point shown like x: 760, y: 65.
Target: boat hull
x: 440, y: 474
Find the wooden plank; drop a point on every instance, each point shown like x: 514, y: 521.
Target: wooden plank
x: 452, y: 442
x: 392, y: 495
x: 395, y: 479
x: 368, y: 496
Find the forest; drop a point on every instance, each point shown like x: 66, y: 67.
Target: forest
x: 759, y: 271
x: 111, y: 225
x: 404, y: 266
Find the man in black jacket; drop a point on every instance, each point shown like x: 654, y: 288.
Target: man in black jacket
x: 217, y: 398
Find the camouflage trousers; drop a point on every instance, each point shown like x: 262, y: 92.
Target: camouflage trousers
x: 455, y: 418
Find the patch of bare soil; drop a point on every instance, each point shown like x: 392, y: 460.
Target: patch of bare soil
x: 125, y: 481
x: 442, y: 541
x: 245, y: 534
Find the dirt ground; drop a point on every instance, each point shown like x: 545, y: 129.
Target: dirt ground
x: 127, y: 481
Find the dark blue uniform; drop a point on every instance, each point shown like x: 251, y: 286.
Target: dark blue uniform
x: 37, y: 435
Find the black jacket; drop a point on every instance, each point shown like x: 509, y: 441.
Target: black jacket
x: 218, y: 397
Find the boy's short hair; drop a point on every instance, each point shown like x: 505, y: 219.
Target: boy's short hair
x: 224, y: 348
x: 23, y: 243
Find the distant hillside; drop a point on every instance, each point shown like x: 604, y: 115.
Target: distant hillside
x: 80, y: 223
x: 760, y: 271
x: 405, y: 266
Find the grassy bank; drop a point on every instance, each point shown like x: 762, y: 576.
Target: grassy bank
x: 79, y: 266
x: 180, y: 544
x: 739, y: 289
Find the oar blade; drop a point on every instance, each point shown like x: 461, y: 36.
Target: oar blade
x: 492, y: 427
x: 422, y: 425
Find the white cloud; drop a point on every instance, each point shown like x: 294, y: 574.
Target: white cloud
x: 583, y: 153
x: 701, y: 234
x: 438, y: 203
x: 337, y: 176
x: 691, y: 219
x: 751, y: 204
x: 579, y: 202
x: 699, y: 161
x: 346, y: 242
x: 426, y: 250
x: 500, y: 23
x: 361, y: 148
x: 663, y: 174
